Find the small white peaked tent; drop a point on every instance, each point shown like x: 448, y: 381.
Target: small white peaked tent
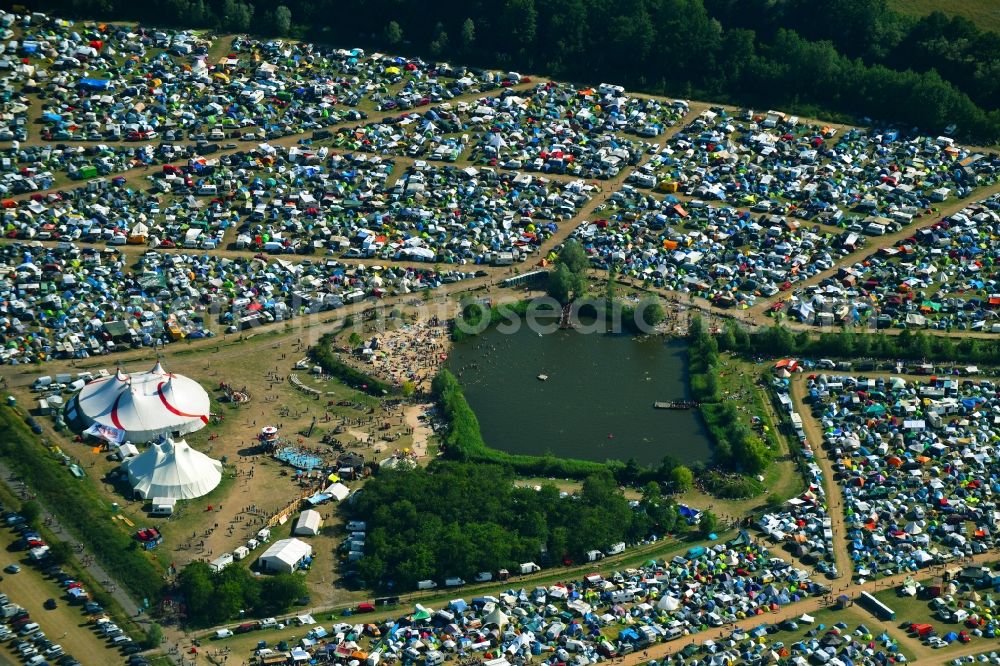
x: 173, y: 470
x: 145, y: 404
x: 496, y: 618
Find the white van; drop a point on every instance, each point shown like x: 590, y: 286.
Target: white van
x: 426, y: 585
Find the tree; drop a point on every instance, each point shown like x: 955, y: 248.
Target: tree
x: 278, y: 593
x: 518, y: 21
x: 282, y: 20
x: 393, y: 33
x: 651, y: 312
x: 569, y: 279
x: 154, y: 636
x: 751, y: 454
x: 651, y: 492
x: 708, y: 523
x: 468, y: 33
x: 681, y: 478
x: 440, y: 42
x: 354, y: 339
x: 561, y: 283
x: 236, y: 16
x: 31, y: 511
x: 574, y: 257
x: 60, y: 552
x: 195, y: 583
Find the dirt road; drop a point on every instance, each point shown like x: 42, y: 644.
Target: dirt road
x: 834, y: 493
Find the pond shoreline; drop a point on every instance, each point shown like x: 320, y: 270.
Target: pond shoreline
x: 596, y: 403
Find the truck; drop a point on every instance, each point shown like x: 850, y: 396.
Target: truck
x: 426, y: 585
x: 617, y: 548
x: 529, y: 567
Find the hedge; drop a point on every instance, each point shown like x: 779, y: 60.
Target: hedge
x: 79, y: 507
x: 733, y: 487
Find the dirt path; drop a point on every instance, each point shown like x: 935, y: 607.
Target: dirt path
x: 834, y: 493
x: 421, y: 430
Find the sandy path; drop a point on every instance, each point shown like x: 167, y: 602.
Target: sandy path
x: 834, y: 493
x: 421, y: 430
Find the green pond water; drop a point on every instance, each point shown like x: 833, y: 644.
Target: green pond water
x: 597, y: 403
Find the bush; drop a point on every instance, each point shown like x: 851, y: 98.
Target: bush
x: 731, y: 486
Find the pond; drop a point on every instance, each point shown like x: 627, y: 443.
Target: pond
x: 597, y: 403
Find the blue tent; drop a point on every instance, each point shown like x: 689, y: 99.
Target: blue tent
x: 96, y: 84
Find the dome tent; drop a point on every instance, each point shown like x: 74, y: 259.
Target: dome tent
x: 173, y: 470
x: 144, y: 404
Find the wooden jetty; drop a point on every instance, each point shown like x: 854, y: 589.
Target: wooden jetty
x: 675, y: 404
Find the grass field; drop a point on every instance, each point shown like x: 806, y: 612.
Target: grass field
x: 984, y: 13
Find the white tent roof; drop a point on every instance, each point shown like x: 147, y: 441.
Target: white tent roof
x: 339, y: 491
x: 145, y: 404
x: 308, y: 522
x: 668, y: 603
x: 497, y: 617
x: 285, y: 555
x: 173, y: 469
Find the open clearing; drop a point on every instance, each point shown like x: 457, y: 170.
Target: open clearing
x: 984, y: 13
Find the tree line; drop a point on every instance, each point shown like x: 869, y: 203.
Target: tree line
x: 850, y: 58
x: 735, y: 447
x: 458, y: 519
x: 849, y: 343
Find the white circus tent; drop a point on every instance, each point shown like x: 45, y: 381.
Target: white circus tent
x: 173, y: 470
x: 144, y: 405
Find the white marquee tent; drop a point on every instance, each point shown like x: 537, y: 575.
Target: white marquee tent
x: 145, y: 404
x: 308, y: 523
x: 285, y: 556
x: 170, y: 469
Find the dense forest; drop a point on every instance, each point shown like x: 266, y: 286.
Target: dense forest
x: 855, y: 58
x: 455, y: 519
